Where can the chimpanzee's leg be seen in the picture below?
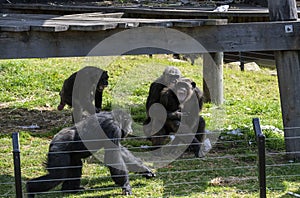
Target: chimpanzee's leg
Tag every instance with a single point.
(134, 164)
(56, 175)
(200, 134)
(98, 101)
(197, 143)
(119, 173)
(74, 171)
(159, 139)
(42, 184)
(196, 146)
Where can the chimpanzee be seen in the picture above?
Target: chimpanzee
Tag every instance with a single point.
(169, 76)
(66, 93)
(180, 101)
(69, 146)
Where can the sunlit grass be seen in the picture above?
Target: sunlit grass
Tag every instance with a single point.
(229, 170)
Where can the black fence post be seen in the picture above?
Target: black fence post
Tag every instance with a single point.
(260, 138)
(17, 164)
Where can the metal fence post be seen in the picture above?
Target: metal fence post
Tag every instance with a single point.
(260, 138)
(17, 164)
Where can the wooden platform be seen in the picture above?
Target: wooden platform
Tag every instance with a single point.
(90, 22)
(56, 22)
(47, 35)
(244, 13)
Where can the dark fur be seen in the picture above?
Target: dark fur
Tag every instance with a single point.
(66, 93)
(67, 149)
(182, 112)
(168, 77)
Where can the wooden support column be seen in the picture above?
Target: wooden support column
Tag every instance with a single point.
(288, 69)
(213, 77)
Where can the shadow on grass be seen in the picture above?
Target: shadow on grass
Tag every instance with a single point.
(7, 184)
(98, 187)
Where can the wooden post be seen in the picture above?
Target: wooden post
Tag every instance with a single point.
(288, 69)
(213, 77)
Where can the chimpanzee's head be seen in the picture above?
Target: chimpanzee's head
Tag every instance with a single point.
(183, 89)
(124, 120)
(103, 81)
(171, 74)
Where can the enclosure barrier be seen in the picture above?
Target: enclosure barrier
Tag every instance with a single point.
(204, 171)
(17, 164)
(260, 138)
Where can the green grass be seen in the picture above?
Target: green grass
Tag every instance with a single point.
(29, 95)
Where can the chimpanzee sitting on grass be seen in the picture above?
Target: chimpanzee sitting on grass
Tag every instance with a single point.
(168, 77)
(183, 102)
(70, 145)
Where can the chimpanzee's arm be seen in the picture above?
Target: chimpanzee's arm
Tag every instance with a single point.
(154, 94)
(134, 164)
(118, 170)
(169, 100)
(200, 97)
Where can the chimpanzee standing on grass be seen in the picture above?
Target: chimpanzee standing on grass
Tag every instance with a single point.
(66, 93)
(72, 144)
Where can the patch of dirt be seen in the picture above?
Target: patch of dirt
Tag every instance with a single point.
(37, 120)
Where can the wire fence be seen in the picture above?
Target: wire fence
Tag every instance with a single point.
(184, 176)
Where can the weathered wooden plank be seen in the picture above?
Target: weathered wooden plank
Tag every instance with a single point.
(109, 19)
(92, 26)
(165, 22)
(222, 38)
(288, 70)
(49, 28)
(10, 16)
(82, 17)
(33, 25)
(249, 37)
(156, 24)
(91, 16)
(78, 25)
(283, 10)
(126, 25)
(57, 25)
(14, 28)
(188, 23)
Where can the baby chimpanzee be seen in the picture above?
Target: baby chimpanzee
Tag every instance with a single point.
(72, 144)
(66, 93)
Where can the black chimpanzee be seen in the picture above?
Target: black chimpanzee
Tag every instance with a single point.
(169, 76)
(70, 145)
(183, 102)
(66, 93)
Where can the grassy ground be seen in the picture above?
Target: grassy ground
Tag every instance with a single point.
(29, 96)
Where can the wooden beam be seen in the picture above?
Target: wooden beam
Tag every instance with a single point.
(213, 77)
(219, 38)
(288, 69)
